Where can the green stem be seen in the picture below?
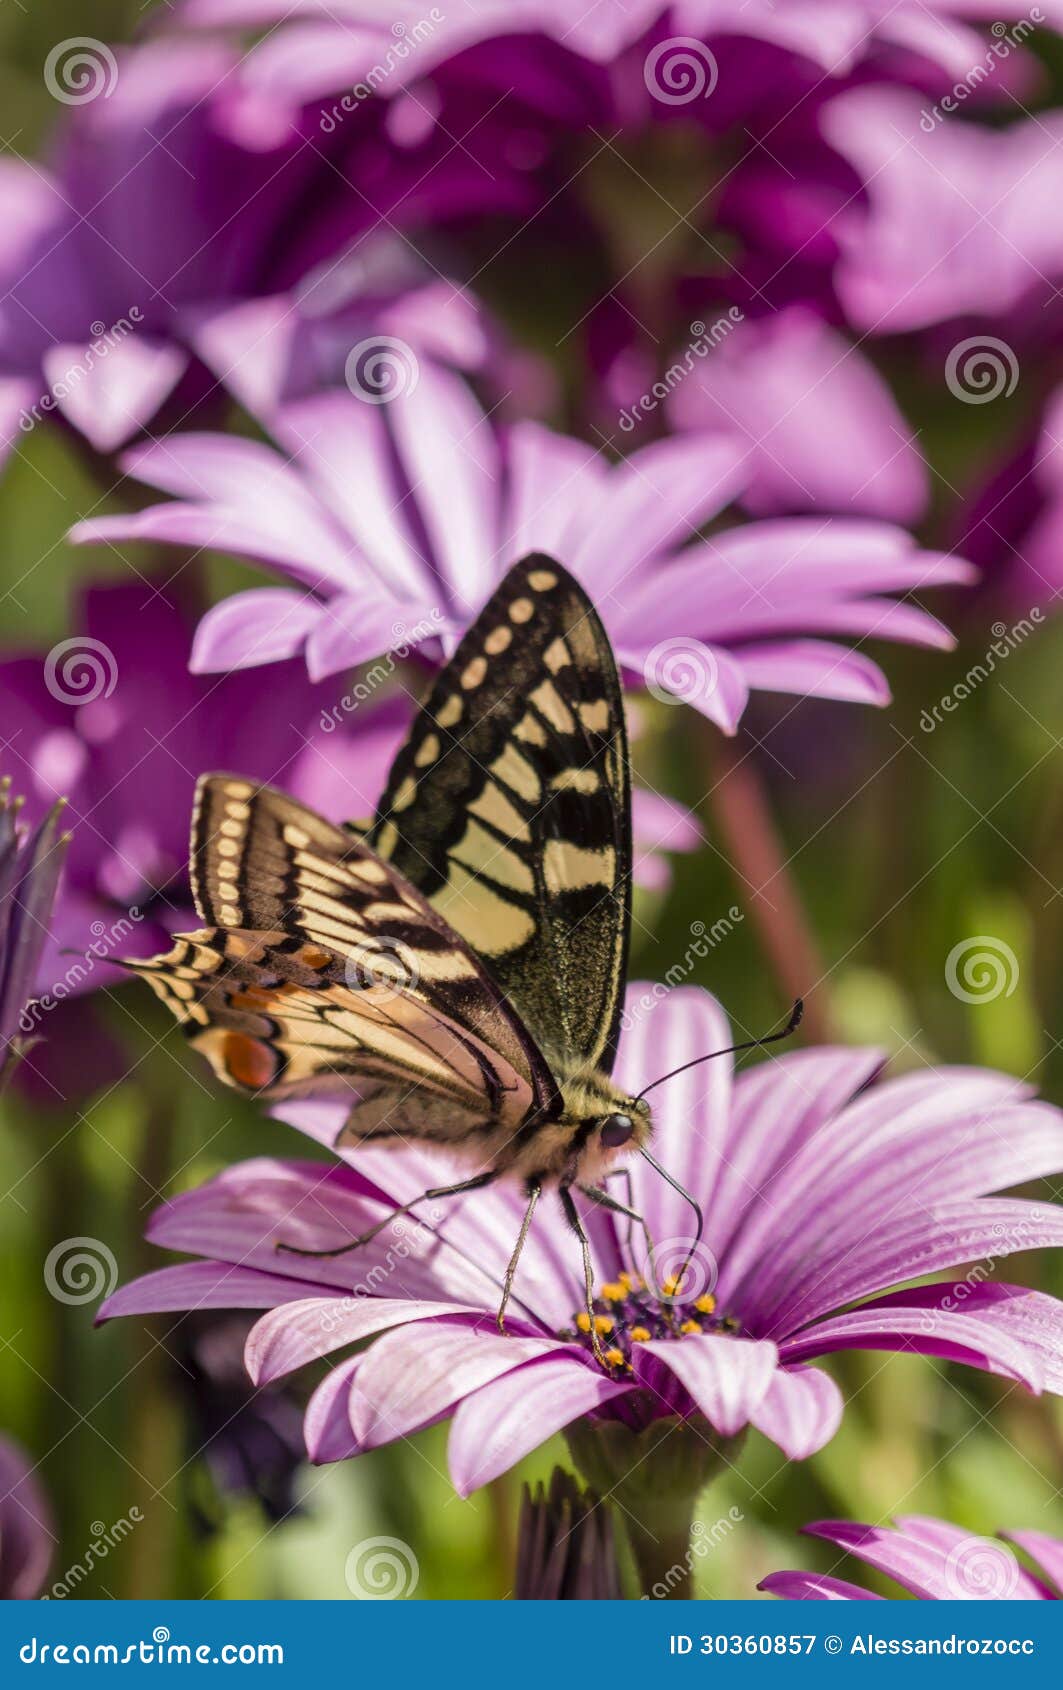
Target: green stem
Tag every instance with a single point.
(655, 1478)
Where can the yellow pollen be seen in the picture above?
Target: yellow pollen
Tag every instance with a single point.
(640, 1334)
(615, 1357)
(583, 1321)
(603, 1323)
(624, 1279)
(614, 1292)
(689, 1326)
(672, 1284)
(706, 1304)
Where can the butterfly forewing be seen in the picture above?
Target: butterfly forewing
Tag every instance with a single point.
(509, 808)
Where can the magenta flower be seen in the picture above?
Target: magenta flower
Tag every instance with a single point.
(817, 1201)
(27, 1534)
(160, 240)
(932, 1559)
(323, 46)
(396, 521)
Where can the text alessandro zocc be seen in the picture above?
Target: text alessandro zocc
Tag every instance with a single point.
(863, 1643)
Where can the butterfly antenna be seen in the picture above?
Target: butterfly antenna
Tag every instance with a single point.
(748, 1044)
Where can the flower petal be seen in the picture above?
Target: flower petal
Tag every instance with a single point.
(728, 1378)
(414, 1376)
(814, 1587)
(27, 1533)
(661, 1032)
(303, 1331)
(1046, 1551)
(926, 1331)
(110, 397)
(778, 1107)
(498, 1425)
(800, 1412)
(201, 1285)
(928, 1569)
(263, 625)
(913, 1246)
(327, 1425)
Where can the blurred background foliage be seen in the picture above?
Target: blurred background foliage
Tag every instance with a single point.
(901, 842)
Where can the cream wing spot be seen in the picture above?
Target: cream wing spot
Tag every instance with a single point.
(427, 751)
(497, 641)
(521, 610)
(542, 580)
(473, 673)
(450, 712)
(549, 703)
(517, 773)
(576, 780)
(595, 716)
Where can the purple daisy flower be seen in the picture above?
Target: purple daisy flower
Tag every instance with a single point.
(326, 45)
(27, 1533)
(160, 243)
(818, 1196)
(397, 520)
(933, 1559)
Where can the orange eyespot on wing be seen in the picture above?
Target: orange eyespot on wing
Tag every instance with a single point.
(249, 1063)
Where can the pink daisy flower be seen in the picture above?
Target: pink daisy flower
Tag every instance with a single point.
(819, 1197)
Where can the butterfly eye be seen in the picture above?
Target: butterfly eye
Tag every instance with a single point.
(616, 1130)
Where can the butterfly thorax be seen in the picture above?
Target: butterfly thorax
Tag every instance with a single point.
(598, 1123)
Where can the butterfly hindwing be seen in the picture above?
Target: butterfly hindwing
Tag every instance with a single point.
(276, 1017)
(263, 862)
(509, 808)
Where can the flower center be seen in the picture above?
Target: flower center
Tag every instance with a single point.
(628, 1312)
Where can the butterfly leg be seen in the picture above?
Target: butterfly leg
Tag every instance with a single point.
(605, 1201)
(572, 1216)
(474, 1184)
(533, 1197)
